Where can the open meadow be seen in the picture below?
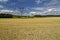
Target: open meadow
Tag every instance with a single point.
(30, 28)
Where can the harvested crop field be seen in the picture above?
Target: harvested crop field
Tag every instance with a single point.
(30, 29)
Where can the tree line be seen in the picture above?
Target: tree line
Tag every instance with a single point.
(17, 16)
(12, 16)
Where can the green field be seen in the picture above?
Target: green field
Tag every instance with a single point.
(30, 28)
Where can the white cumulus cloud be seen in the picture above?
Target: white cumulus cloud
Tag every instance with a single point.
(6, 11)
(14, 12)
(52, 3)
(50, 10)
(45, 11)
(37, 1)
(37, 8)
(3, 0)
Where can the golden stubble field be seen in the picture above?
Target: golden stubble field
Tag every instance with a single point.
(30, 29)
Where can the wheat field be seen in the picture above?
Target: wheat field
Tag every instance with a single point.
(30, 28)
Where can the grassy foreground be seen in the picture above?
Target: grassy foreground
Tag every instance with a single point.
(30, 29)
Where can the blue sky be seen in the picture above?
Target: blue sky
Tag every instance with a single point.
(30, 6)
(24, 3)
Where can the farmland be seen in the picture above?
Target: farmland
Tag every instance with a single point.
(30, 28)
